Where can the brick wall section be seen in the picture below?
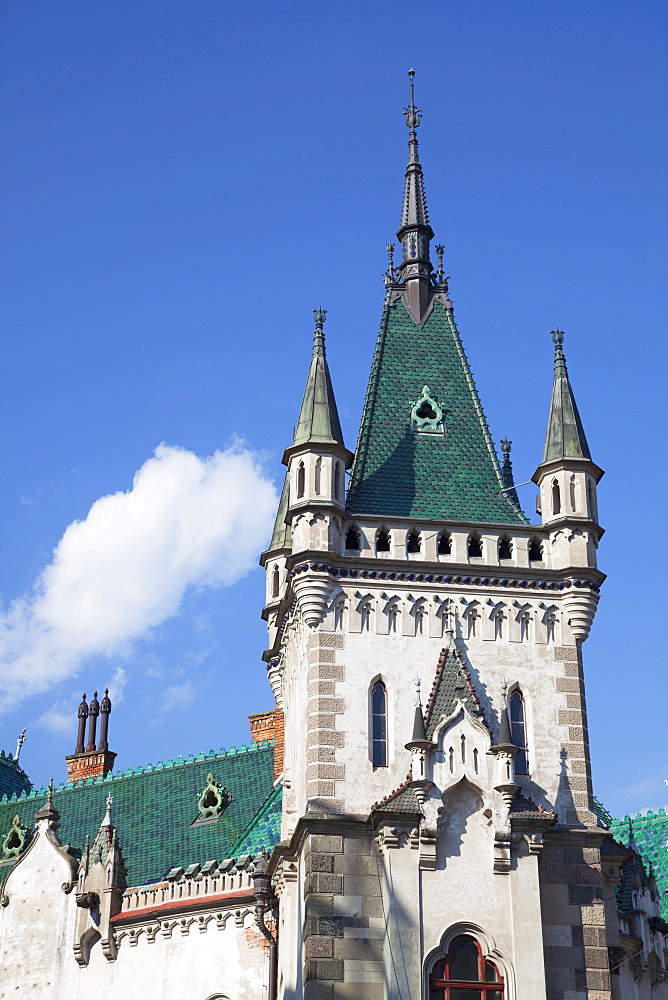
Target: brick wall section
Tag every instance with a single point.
(323, 772)
(574, 932)
(94, 764)
(343, 926)
(575, 803)
(270, 726)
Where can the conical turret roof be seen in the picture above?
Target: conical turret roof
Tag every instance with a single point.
(565, 436)
(318, 417)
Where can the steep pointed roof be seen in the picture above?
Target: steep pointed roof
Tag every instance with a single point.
(318, 417)
(565, 436)
(281, 536)
(451, 473)
(452, 683)
(444, 466)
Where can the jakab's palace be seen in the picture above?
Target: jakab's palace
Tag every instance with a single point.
(377, 839)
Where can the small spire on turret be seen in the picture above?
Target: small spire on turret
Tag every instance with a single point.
(48, 810)
(107, 821)
(19, 743)
(565, 436)
(507, 471)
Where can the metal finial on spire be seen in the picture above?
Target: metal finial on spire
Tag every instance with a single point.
(559, 356)
(19, 743)
(320, 315)
(506, 445)
(504, 688)
(412, 113)
(107, 821)
(418, 697)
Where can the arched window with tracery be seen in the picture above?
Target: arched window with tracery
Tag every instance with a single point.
(465, 974)
(518, 731)
(379, 725)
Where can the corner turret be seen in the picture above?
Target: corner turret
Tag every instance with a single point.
(567, 477)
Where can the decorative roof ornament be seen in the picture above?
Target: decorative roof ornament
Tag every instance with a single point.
(19, 743)
(48, 810)
(507, 471)
(427, 414)
(411, 113)
(16, 839)
(320, 315)
(107, 821)
(213, 800)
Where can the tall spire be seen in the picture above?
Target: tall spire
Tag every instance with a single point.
(415, 232)
(318, 417)
(565, 436)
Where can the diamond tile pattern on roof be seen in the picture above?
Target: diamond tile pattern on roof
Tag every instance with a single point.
(153, 811)
(399, 472)
(451, 684)
(13, 779)
(404, 801)
(264, 829)
(650, 833)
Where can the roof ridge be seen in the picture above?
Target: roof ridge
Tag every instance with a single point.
(275, 794)
(131, 772)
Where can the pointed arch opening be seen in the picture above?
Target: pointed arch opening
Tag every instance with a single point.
(379, 724)
(413, 542)
(353, 540)
(338, 480)
(317, 476)
(505, 547)
(556, 497)
(275, 582)
(383, 541)
(444, 547)
(475, 546)
(301, 480)
(518, 730)
(535, 551)
(464, 973)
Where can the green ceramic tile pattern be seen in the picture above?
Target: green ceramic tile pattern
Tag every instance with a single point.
(13, 780)
(452, 684)
(154, 807)
(399, 472)
(404, 801)
(650, 833)
(263, 829)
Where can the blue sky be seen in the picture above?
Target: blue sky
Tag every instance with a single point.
(183, 183)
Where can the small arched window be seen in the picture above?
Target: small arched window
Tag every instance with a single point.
(592, 499)
(475, 547)
(379, 725)
(556, 497)
(337, 481)
(573, 498)
(413, 542)
(465, 974)
(518, 732)
(383, 541)
(353, 539)
(444, 544)
(535, 551)
(317, 476)
(275, 582)
(505, 548)
(301, 480)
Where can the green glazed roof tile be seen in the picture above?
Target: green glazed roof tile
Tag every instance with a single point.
(154, 809)
(13, 779)
(650, 835)
(399, 471)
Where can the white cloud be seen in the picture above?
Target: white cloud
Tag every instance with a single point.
(186, 522)
(176, 696)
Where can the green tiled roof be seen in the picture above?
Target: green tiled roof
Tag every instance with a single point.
(154, 809)
(13, 779)
(650, 833)
(451, 684)
(400, 472)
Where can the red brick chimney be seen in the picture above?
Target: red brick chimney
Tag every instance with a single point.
(91, 761)
(270, 726)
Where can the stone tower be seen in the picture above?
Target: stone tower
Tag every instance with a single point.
(452, 838)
